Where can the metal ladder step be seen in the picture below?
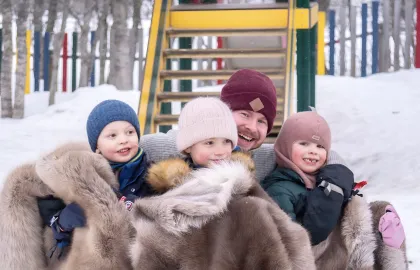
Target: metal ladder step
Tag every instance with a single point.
(187, 96)
(184, 96)
(225, 53)
(176, 32)
(270, 140)
(222, 74)
(230, 6)
(166, 119)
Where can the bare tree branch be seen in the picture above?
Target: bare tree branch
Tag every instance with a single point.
(79, 12)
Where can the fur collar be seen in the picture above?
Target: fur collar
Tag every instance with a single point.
(167, 174)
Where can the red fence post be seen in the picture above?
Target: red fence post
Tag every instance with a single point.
(65, 63)
(220, 60)
(417, 59)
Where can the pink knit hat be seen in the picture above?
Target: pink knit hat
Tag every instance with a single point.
(308, 126)
(205, 118)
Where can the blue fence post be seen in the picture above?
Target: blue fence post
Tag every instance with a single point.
(375, 34)
(364, 35)
(92, 74)
(46, 60)
(331, 24)
(37, 59)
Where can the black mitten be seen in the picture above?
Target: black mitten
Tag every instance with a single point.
(338, 175)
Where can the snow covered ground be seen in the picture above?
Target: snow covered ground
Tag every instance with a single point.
(374, 123)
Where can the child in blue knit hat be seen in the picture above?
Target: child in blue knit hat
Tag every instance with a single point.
(113, 131)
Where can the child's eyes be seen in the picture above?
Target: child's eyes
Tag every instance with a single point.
(303, 143)
(227, 141)
(130, 132)
(113, 135)
(244, 114)
(320, 146)
(209, 143)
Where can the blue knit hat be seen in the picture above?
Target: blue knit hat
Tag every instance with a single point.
(106, 112)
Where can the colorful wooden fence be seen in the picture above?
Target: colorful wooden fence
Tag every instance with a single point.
(69, 51)
(365, 44)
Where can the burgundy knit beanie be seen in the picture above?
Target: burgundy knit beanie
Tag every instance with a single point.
(251, 90)
(308, 126)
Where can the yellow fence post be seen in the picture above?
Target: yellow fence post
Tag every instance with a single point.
(321, 43)
(28, 62)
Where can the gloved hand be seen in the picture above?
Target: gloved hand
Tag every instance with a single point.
(128, 200)
(63, 223)
(338, 175)
(320, 214)
(48, 207)
(391, 228)
(72, 216)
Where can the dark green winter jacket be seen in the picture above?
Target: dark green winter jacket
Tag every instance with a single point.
(287, 189)
(318, 210)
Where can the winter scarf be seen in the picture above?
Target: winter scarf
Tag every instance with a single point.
(129, 172)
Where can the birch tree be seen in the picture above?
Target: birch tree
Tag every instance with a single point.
(90, 62)
(82, 11)
(103, 10)
(57, 45)
(134, 35)
(6, 69)
(323, 5)
(52, 17)
(120, 52)
(22, 11)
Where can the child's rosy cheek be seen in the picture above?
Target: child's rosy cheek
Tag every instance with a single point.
(203, 157)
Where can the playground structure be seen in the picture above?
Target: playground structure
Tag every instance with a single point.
(372, 47)
(253, 34)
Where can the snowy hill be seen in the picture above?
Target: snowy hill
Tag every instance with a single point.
(374, 123)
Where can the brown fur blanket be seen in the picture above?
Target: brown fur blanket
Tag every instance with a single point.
(254, 233)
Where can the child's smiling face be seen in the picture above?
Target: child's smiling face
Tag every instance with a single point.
(118, 141)
(308, 156)
(209, 151)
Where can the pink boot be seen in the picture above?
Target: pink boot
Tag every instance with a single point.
(391, 228)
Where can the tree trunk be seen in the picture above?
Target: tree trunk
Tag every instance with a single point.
(103, 40)
(57, 44)
(37, 22)
(84, 53)
(6, 69)
(19, 104)
(134, 35)
(52, 17)
(323, 5)
(111, 54)
(396, 34)
(120, 62)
